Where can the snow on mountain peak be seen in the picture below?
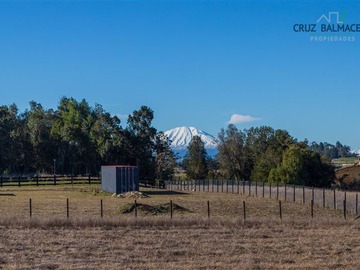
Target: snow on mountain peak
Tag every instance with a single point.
(180, 137)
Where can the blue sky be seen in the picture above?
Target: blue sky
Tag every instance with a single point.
(195, 63)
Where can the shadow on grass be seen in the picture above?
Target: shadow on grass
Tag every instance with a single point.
(7, 194)
(164, 192)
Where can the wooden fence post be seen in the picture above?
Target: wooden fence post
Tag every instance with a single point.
(67, 208)
(19, 181)
(244, 210)
(30, 208)
(208, 208)
(356, 205)
(277, 191)
(101, 209)
(270, 189)
(334, 199)
(135, 208)
(249, 187)
(256, 185)
(243, 187)
(89, 179)
(238, 186)
(37, 180)
(171, 209)
(54, 180)
(324, 198)
(1, 180)
(344, 209)
(280, 210)
(312, 208)
(285, 192)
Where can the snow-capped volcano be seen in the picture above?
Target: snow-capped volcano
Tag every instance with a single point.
(180, 137)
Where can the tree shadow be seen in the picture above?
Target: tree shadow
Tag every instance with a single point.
(7, 194)
(164, 192)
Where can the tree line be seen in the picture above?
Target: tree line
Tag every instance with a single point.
(77, 139)
(263, 154)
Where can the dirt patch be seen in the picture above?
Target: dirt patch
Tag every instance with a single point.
(154, 210)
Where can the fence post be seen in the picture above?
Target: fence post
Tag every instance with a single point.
(19, 181)
(222, 185)
(232, 186)
(30, 208)
(171, 209)
(285, 192)
(280, 210)
(270, 189)
(312, 208)
(67, 208)
(227, 186)
(135, 206)
(37, 180)
(208, 208)
(334, 199)
(1, 180)
(238, 186)
(244, 210)
(249, 187)
(101, 209)
(89, 179)
(277, 191)
(243, 187)
(356, 205)
(323, 197)
(54, 180)
(345, 209)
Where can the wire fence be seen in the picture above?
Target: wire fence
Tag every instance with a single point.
(330, 198)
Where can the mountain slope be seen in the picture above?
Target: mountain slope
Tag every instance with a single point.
(180, 137)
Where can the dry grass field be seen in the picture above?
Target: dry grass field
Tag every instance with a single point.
(188, 241)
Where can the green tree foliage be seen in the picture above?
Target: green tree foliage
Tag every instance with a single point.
(302, 166)
(195, 160)
(39, 122)
(331, 151)
(81, 139)
(72, 129)
(233, 155)
(251, 154)
(141, 137)
(276, 143)
(165, 158)
(15, 148)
